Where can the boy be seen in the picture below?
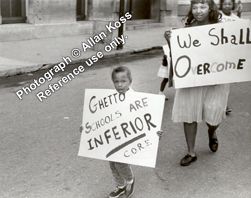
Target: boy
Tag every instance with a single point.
(122, 172)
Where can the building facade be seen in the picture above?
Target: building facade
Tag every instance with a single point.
(35, 19)
(184, 6)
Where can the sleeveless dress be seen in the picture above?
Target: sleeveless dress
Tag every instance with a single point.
(204, 103)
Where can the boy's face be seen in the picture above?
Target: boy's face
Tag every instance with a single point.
(121, 82)
(227, 7)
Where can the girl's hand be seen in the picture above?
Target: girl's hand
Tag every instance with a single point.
(81, 128)
(167, 35)
(159, 133)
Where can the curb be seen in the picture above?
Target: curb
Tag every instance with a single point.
(29, 69)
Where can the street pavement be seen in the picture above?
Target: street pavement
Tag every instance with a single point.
(39, 141)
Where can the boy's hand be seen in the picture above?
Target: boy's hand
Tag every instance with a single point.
(81, 128)
(159, 133)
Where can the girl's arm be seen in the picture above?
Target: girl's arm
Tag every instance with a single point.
(167, 36)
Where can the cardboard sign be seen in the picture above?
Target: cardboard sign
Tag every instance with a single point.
(211, 54)
(121, 127)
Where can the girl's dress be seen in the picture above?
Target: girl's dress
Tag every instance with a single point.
(206, 103)
(196, 104)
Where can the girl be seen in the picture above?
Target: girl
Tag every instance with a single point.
(208, 103)
(226, 9)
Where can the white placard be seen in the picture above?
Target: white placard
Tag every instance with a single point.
(211, 54)
(121, 127)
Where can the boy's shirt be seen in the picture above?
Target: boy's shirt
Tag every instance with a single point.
(130, 89)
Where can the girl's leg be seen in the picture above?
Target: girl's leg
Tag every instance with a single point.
(190, 133)
(163, 84)
(213, 141)
(211, 131)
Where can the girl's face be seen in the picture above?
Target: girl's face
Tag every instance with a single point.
(227, 7)
(201, 12)
(121, 82)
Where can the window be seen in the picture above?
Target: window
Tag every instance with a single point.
(13, 11)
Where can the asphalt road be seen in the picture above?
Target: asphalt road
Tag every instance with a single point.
(39, 141)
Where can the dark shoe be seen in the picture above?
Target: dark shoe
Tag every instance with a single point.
(116, 193)
(228, 110)
(213, 144)
(187, 160)
(129, 189)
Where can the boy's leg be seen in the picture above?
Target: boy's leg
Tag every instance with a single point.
(126, 172)
(120, 182)
(118, 177)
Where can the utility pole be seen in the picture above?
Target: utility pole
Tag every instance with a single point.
(121, 28)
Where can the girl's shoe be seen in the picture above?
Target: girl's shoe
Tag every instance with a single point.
(187, 160)
(116, 193)
(213, 144)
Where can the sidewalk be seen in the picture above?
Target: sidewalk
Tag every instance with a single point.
(31, 55)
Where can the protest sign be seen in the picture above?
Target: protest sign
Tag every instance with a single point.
(121, 127)
(211, 54)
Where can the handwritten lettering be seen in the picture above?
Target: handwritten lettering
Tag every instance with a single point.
(138, 104)
(105, 102)
(196, 43)
(224, 39)
(124, 130)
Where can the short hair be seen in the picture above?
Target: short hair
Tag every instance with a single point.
(222, 1)
(118, 69)
(214, 14)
